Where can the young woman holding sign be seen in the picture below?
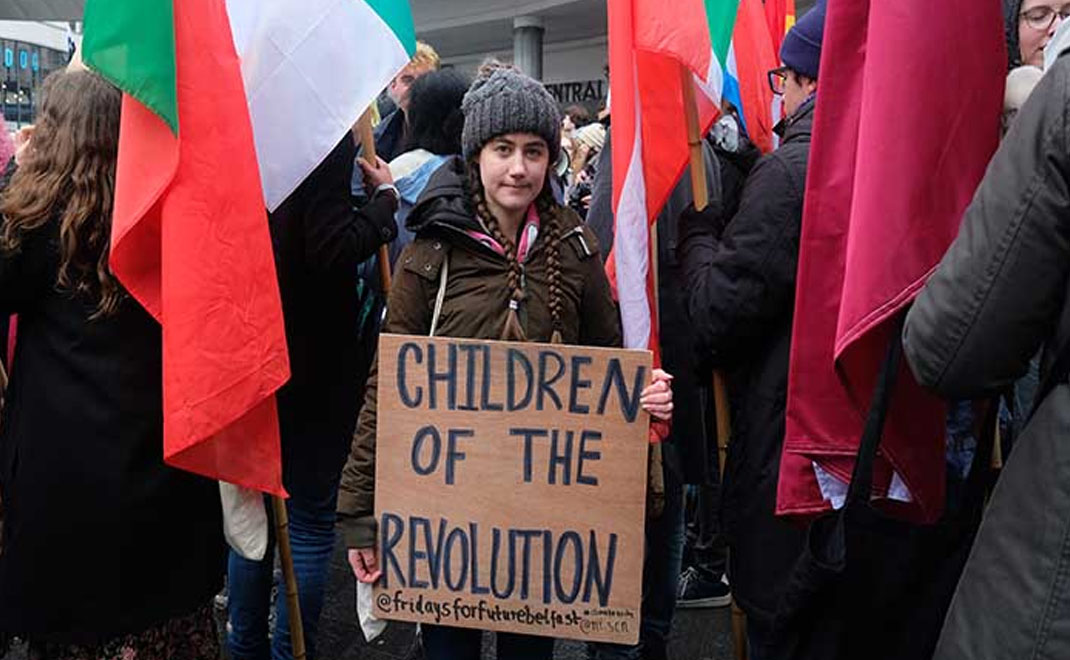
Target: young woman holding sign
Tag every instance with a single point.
(495, 257)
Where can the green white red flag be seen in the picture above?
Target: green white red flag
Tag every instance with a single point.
(310, 69)
(202, 83)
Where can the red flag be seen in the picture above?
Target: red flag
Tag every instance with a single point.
(754, 57)
(647, 48)
(908, 110)
(190, 242)
(780, 15)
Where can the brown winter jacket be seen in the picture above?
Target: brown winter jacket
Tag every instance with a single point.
(475, 306)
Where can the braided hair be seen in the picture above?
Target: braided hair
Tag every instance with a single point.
(550, 214)
(551, 223)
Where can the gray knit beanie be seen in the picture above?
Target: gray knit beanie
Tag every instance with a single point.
(506, 102)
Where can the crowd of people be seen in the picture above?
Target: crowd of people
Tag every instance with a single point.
(495, 206)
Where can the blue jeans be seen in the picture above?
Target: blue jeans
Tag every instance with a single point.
(446, 643)
(312, 522)
(661, 575)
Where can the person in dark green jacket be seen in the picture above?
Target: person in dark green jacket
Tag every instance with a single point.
(999, 295)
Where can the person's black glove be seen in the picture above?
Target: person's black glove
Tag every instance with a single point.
(380, 212)
(700, 232)
(710, 221)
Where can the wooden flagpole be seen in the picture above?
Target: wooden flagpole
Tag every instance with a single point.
(282, 534)
(656, 463)
(282, 521)
(720, 393)
(367, 141)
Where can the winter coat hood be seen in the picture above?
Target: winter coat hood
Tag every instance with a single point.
(414, 170)
(445, 201)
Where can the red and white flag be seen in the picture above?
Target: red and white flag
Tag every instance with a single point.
(726, 46)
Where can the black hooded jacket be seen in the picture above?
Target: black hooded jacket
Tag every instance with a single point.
(319, 241)
(741, 288)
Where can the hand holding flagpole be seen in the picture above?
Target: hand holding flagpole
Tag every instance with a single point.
(367, 141)
(702, 199)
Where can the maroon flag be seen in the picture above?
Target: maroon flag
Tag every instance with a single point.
(908, 115)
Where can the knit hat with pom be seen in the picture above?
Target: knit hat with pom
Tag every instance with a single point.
(506, 102)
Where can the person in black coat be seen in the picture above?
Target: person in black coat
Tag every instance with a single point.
(319, 241)
(703, 582)
(741, 279)
(106, 551)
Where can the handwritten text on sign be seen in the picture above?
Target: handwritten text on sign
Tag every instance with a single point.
(510, 486)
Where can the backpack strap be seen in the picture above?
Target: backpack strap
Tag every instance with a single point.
(861, 487)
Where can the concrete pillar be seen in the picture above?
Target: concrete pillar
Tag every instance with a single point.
(527, 45)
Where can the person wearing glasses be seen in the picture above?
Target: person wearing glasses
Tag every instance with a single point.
(741, 282)
(1031, 24)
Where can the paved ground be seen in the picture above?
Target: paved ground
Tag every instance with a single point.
(697, 634)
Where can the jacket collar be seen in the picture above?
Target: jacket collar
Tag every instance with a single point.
(799, 124)
(445, 205)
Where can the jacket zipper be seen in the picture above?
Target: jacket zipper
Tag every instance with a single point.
(569, 234)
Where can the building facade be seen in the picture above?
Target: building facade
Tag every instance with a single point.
(29, 51)
(562, 42)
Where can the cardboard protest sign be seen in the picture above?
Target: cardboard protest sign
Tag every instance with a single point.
(511, 486)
